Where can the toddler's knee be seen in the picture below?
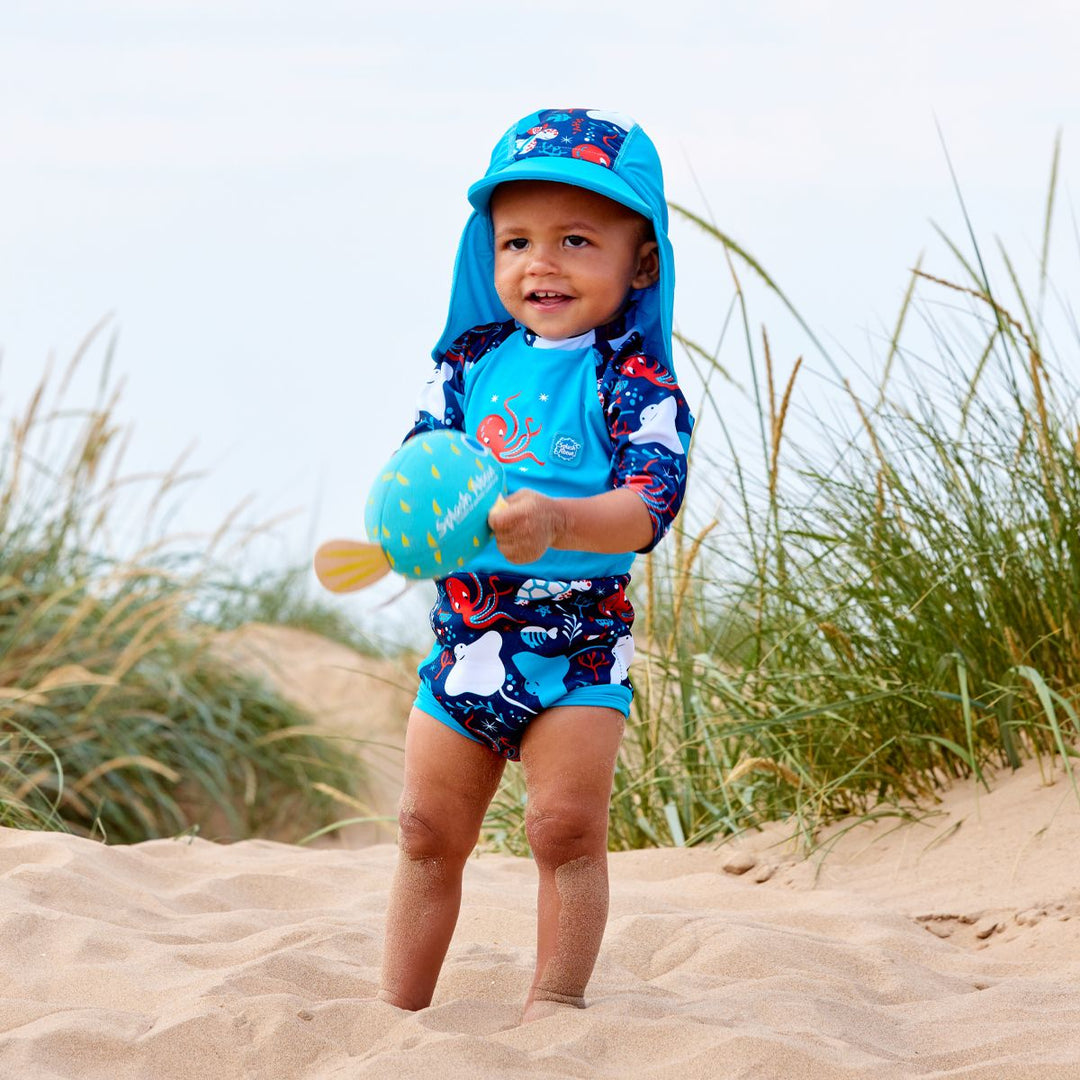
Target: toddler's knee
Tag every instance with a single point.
(423, 835)
(559, 836)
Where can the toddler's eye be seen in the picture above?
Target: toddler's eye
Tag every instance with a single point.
(519, 243)
(576, 241)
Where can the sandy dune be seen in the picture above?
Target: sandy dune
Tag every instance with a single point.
(364, 700)
(947, 948)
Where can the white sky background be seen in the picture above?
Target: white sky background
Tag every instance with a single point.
(267, 196)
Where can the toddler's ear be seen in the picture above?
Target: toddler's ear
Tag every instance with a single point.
(648, 265)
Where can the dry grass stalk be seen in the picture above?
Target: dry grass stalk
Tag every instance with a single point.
(684, 577)
(778, 429)
(761, 764)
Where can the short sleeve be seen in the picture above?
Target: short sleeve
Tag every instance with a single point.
(650, 427)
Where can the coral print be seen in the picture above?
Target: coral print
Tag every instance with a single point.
(508, 442)
(586, 134)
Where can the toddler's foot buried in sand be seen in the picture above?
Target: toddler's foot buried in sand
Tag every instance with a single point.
(548, 1003)
(385, 997)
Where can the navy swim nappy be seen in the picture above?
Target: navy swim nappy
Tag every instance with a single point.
(507, 648)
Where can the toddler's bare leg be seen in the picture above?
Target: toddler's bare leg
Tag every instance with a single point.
(569, 760)
(449, 781)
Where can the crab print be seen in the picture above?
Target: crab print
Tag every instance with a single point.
(616, 605)
(646, 367)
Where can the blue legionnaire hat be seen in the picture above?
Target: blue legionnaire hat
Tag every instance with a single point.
(602, 151)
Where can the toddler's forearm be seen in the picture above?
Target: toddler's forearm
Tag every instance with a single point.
(528, 523)
(613, 522)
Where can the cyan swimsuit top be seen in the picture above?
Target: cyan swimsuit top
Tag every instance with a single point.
(568, 419)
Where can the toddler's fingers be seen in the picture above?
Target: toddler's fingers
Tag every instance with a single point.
(503, 514)
(497, 514)
(523, 525)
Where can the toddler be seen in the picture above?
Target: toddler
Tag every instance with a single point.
(557, 356)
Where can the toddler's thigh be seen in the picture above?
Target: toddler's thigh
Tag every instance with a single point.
(449, 779)
(568, 754)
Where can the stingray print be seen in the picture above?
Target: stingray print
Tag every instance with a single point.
(658, 426)
(609, 663)
(623, 651)
(478, 669)
(508, 444)
(440, 401)
(433, 396)
(543, 675)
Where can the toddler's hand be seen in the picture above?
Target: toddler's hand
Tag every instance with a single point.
(525, 525)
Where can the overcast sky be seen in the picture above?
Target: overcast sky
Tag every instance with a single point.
(266, 197)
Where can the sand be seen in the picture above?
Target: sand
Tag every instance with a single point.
(948, 947)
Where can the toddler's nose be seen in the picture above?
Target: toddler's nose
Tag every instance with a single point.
(543, 260)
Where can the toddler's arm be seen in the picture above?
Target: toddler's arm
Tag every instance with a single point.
(528, 523)
(650, 426)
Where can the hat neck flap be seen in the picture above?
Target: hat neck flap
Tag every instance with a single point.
(602, 151)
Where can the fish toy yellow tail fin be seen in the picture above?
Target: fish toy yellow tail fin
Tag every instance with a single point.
(347, 565)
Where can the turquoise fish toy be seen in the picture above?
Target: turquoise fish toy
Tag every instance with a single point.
(425, 517)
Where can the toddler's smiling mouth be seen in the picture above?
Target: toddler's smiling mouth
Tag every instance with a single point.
(547, 298)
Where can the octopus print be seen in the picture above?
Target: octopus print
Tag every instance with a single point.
(508, 441)
(482, 609)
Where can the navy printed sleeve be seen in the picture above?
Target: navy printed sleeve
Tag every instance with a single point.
(650, 426)
(442, 401)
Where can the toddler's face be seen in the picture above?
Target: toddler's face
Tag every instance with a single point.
(566, 258)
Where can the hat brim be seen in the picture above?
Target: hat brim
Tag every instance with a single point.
(561, 170)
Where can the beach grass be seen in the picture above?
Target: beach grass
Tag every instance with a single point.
(880, 610)
(118, 718)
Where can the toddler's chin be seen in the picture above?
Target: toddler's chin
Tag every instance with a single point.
(556, 332)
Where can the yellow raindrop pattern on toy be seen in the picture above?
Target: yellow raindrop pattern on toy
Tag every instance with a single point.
(427, 513)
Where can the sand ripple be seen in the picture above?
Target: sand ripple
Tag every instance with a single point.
(190, 959)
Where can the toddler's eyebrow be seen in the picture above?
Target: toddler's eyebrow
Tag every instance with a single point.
(566, 226)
